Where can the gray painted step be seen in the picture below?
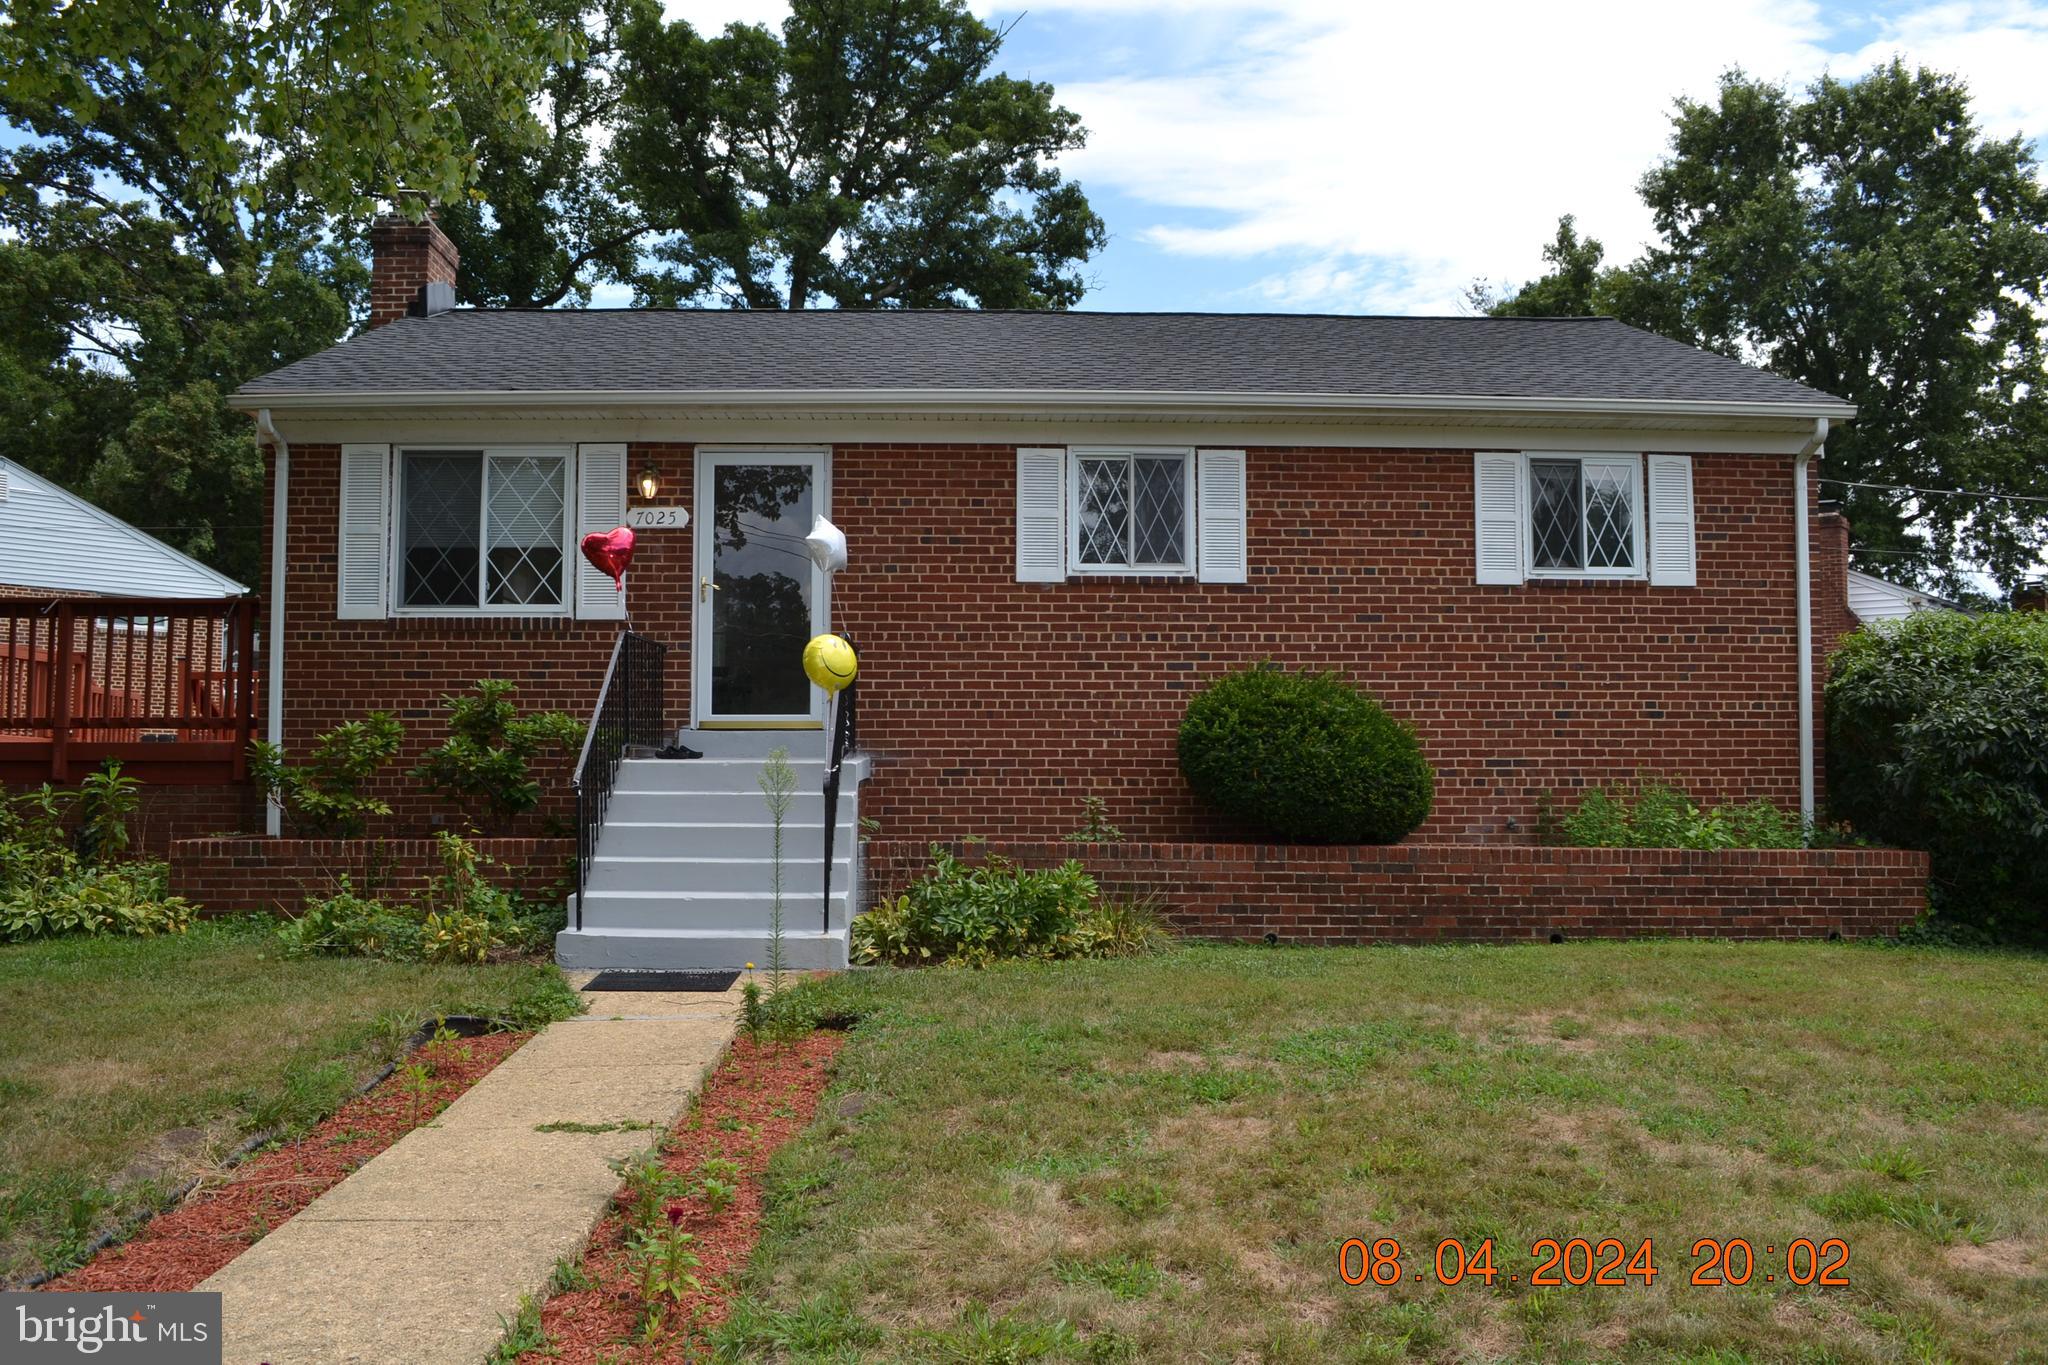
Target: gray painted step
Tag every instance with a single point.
(726, 775)
(694, 807)
(756, 744)
(802, 951)
(687, 910)
(712, 874)
(749, 839)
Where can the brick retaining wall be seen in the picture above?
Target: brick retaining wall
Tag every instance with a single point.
(1479, 893)
(221, 875)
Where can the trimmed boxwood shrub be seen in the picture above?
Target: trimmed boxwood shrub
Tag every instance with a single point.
(1304, 757)
(1938, 739)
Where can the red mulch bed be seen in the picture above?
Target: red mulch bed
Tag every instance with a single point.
(218, 1222)
(761, 1096)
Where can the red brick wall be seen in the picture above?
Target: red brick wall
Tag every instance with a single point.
(1497, 893)
(403, 257)
(1002, 704)
(222, 875)
(170, 813)
(995, 706)
(336, 670)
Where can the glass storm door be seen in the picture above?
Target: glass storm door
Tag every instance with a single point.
(759, 596)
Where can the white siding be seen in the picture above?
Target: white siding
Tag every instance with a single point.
(1873, 599)
(55, 540)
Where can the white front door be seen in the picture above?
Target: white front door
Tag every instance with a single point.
(759, 596)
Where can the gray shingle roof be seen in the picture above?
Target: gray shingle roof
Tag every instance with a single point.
(479, 351)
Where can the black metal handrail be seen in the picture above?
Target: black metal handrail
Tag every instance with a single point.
(629, 711)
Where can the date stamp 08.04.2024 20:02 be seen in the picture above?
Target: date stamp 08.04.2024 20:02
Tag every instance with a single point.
(1609, 1262)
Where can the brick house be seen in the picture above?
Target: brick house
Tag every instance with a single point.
(1566, 550)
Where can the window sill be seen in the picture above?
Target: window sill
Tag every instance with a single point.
(1590, 580)
(477, 622)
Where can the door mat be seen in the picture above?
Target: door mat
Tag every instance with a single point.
(617, 979)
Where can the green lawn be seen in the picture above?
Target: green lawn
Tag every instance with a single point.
(1158, 1160)
(129, 1065)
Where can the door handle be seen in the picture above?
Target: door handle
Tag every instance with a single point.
(705, 587)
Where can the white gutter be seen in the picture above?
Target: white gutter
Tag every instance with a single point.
(273, 703)
(1028, 400)
(1804, 591)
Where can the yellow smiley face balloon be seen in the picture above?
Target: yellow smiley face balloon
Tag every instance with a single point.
(830, 663)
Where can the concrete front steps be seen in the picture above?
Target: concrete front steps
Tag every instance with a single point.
(683, 876)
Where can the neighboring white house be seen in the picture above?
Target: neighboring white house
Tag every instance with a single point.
(1873, 599)
(55, 541)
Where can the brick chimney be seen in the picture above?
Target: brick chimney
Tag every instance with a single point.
(1831, 615)
(412, 269)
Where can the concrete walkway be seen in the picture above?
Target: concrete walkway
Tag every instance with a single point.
(413, 1259)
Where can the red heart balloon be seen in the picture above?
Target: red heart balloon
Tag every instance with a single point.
(611, 551)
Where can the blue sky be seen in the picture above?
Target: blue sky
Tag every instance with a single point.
(1354, 156)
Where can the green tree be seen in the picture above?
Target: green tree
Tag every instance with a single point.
(172, 213)
(547, 218)
(866, 157)
(1863, 237)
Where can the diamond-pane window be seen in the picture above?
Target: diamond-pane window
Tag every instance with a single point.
(1554, 517)
(527, 506)
(443, 496)
(1105, 512)
(1582, 514)
(483, 530)
(1159, 510)
(1610, 518)
(1131, 511)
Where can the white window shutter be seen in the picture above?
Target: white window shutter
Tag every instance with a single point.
(1041, 515)
(363, 560)
(1220, 555)
(1673, 559)
(1498, 516)
(600, 506)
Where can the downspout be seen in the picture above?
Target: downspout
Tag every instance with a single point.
(1804, 576)
(273, 701)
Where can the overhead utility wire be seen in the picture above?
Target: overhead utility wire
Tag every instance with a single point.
(1938, 492)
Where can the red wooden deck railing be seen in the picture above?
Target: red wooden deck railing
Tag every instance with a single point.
(168, 686)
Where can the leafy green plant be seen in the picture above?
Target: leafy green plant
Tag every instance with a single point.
(1938, 739)
(778, 789)
(346, 924)
(486, 762)
(975, 914)
(107, 800)
(717, 1195)
(523, 1335)
(646, 1188)
(1658, 814)
(1304, 757)
(57, 897)
(460, 917)
(1095, 826)
(326, 796)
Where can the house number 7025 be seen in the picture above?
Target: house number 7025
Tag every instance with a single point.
(658, 518)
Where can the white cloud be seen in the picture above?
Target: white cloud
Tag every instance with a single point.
(1404, 150)
(1381, 156)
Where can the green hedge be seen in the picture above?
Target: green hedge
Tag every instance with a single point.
(1938, 739)
(1304, 757)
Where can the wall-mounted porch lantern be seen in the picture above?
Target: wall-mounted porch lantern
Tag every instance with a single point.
(649, 484)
